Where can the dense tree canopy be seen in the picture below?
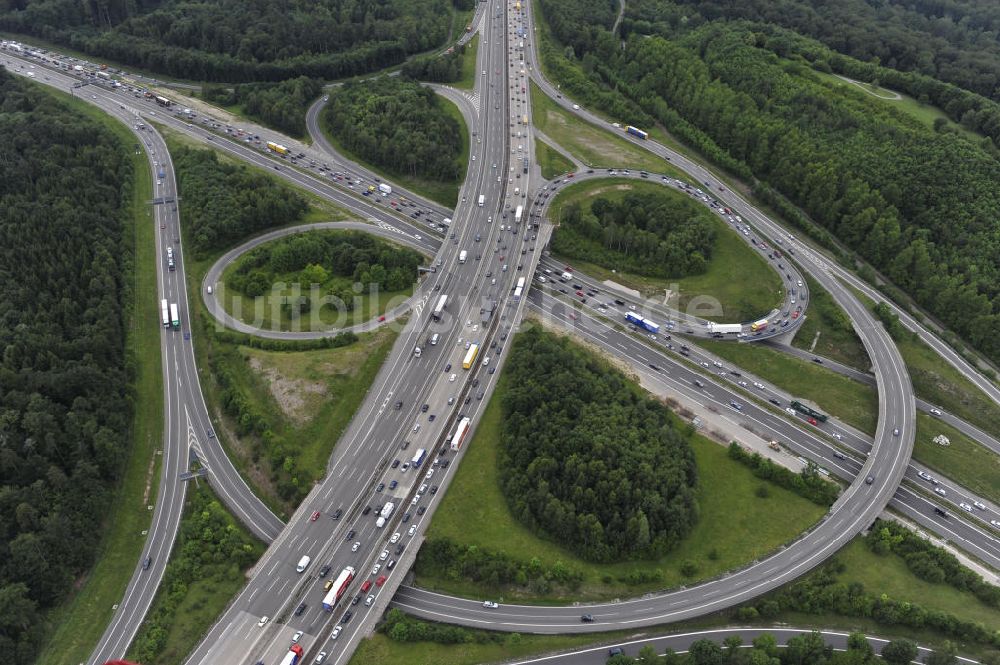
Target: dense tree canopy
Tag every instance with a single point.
(278, 105)
(239, 41)
(226, 202)
(587, 459)
(65, 183)
(918, 204)
(398, 125)
(660, 234)
(437, 68)
(315, 258)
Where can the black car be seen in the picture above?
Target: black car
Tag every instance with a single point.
(774, 402)
(378, 488)
(587, 618)
(356, 599)
(421, 510)
(300, 609)
(367, 509)
(147, 562)
(818, 360)
(445, 463)
(424, 408)
(325, 570)
(941, 512)
(337, 513)
(395, 463)
(406, 517)
(400, 548)
(399, 405)
(350, 535)
(347, 617)
(434, 489)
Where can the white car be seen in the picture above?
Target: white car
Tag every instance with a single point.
(369, 600)
(941, 491)
(489, 604)
(966, 507)
(336, 633)
(384, 555)
(395, 538)
(356, 545)
(377, 567)
(262, 621)
(413, 530)
(995, 523)
(296, 637)
(979, 504)
(321, 657)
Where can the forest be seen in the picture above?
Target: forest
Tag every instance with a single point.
(917, 203)
(236, 41)
(657, 234)
(65, 412)
(278, 105)
(398, 125)
(437, 68)
(226, 202)
(588, 460)
(321, 255)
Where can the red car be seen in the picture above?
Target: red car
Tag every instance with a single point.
(572, 316)
(579, 293)
(367, 585)
(314, 516)
(381, 318)
(812, 421)
(380, 581)
(795, 315)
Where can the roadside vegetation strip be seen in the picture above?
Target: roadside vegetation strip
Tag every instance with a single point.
(736, 524)
(206, 570)
(963, 460)
(402, 130)
(309, 280)
(550, 160)
(829, 327)
(80, 622)
(741, 280)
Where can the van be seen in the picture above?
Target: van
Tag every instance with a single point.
(303, 564)
(434, 339)
(482, 200)
(517, 190)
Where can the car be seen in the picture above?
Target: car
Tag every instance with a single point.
(356, 599)
(377, 567)
(489, 604)
(321, 657)
(431, 418)
(380, 487)
(384, 555)
(941, 512)
(314, 516)
(966, 507)
(406, 517)
(263, 620)
(812, 421)
(935, 412)
(300, 609)
(895, 431)
(380, 581)
(391, 564)
(336, 633)
(327, 585)
(995, 523)
(587, 618)
(447, 367)
(347, 617)
(424, 408)
(338, 513)
(421, 510)
(147, 562)
(870, 479)
(356, 545)
(924, 475)
(369, 600)
(979, 504)
(325, 570)
(297, 636)
(393, 484)
(942, 491)
(412, 530)
(434, 489)
(395, 463)
(367, 585)
(367, 510)
(395, 537)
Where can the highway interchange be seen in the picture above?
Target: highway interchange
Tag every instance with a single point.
(374, 438)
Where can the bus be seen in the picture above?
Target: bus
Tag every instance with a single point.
(459, 436)
(518, 212)
(163, 101)
(165, 313)
(519, 289)
(635, 131)
(642, 322)
(277, 147)
(339, 587)
(175, 318)
(812, 413)
(758, 325)
(439, 308)
(418, 458)
(470, 356)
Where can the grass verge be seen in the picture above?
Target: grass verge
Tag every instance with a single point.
(964, 461)
(550, 160)
(854, 403)
(742, 282)
(595, 147)
(445, 193)
(830, 329)
(468, 80)
(77, 625)
(475, 512)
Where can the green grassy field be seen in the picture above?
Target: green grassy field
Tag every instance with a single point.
(445, 193)
(550, 161)
(77, 624)
(468, 80)
(738, 278)
(266, 311)
(380, 650)
(594, 146)
(475, 512)
(837, 339)
(974, 466)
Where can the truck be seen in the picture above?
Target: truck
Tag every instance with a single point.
(163, 101)
(384, 188)
(812, 413)
(642, 322)
(104, 75)
(462, 256)
(446, 222)
(635, 131)
(725, 328)
(418, 458)
(165, 313)
(460, 432)
(525, 165)
(518, 211)
(385, 514)
(339, 587)
(482, 200)
(175, 317)
(470, 356)
(277, 147)
(519, 289)
(758, 325)
(439, 308)
(293, 657)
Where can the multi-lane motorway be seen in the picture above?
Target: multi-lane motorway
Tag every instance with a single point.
(392, 423)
